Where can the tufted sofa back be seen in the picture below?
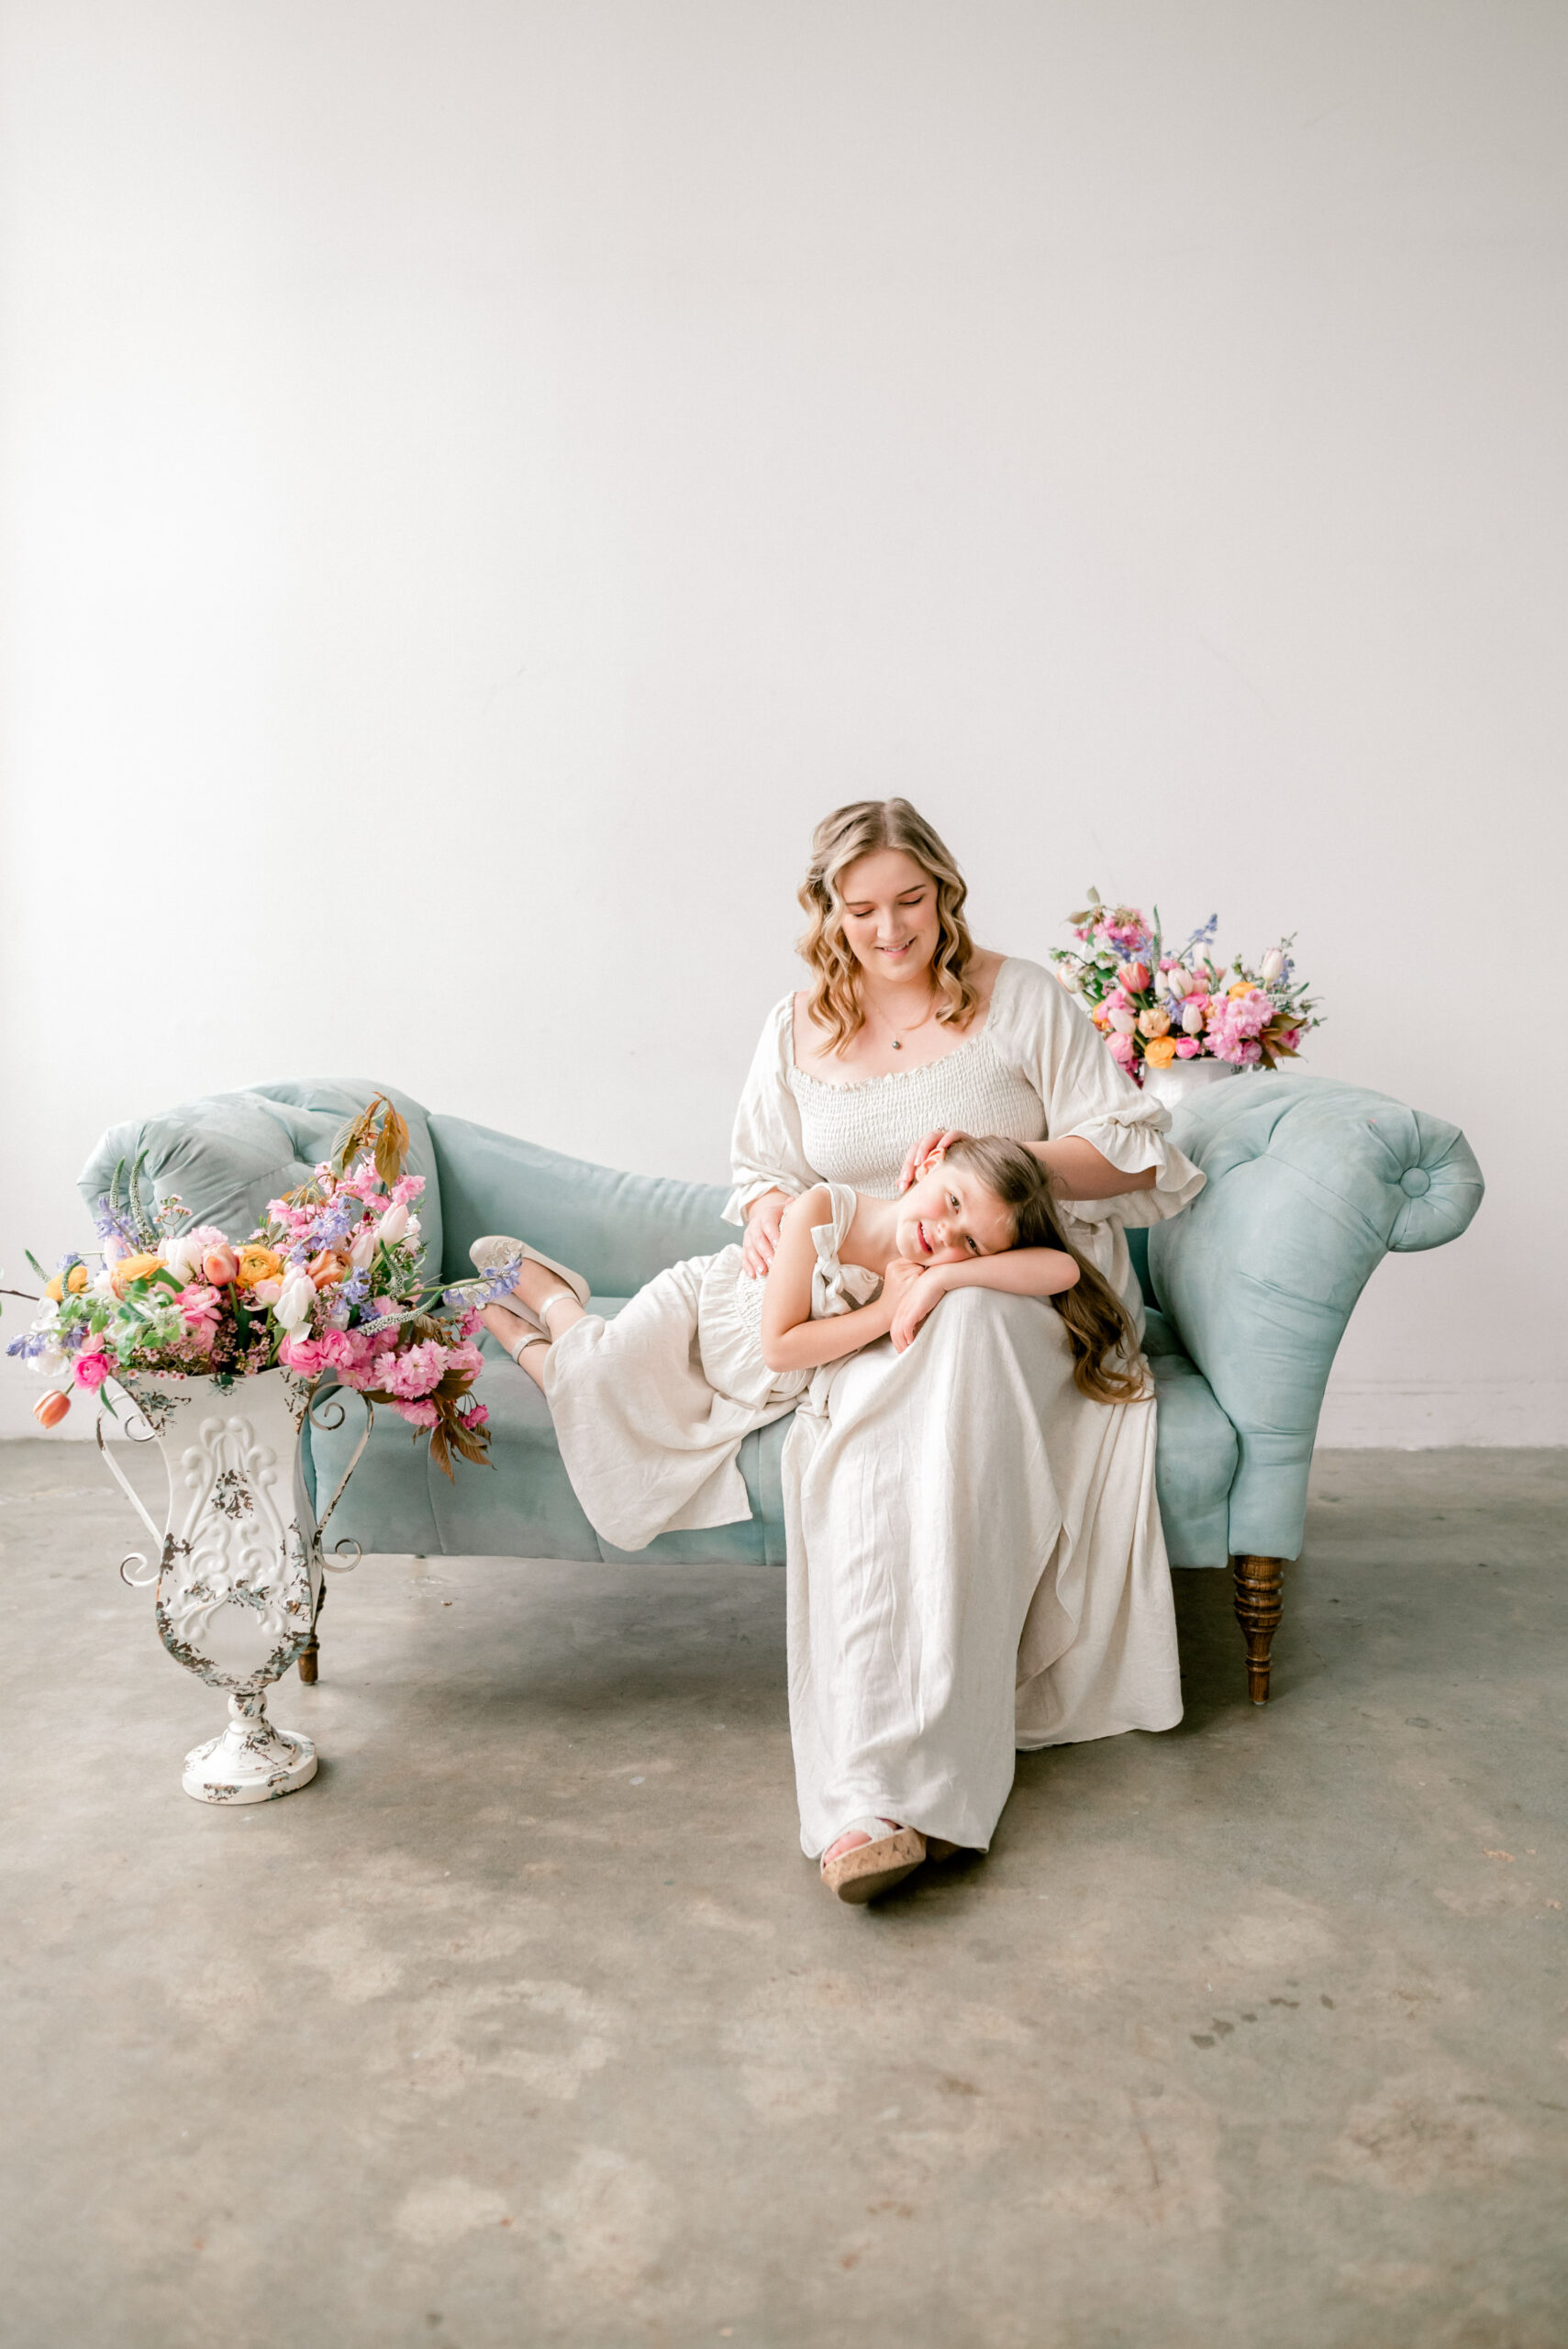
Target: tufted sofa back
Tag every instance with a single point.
(227, 1154)
(1309, 1183)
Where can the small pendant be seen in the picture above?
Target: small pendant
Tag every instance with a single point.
(896, 1045)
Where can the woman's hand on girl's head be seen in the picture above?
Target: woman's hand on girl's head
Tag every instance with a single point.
(762, 1220)
(925, 1152)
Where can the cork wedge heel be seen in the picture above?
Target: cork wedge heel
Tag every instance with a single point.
(871, 1869)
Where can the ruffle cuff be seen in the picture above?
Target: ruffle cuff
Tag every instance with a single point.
(756, 1187)
(1132, 1140)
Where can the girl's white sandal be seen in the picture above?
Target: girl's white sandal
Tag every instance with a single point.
(869, 1869)
(495, 1248)
(531, 1337)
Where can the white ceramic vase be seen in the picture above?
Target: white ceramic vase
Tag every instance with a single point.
(240, 1560)
(1176, 1085)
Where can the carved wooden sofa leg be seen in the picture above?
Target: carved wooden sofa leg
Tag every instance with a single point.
(310, 1659)
(1259, 1605)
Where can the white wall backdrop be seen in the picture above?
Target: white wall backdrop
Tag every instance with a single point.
(482, 478)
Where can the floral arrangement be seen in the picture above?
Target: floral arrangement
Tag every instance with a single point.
(330, 1283)
(1154, 1009)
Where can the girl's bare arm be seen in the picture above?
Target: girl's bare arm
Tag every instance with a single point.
(1022, 1271)
(791, 1339)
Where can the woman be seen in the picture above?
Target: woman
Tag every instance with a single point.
(975, 1555)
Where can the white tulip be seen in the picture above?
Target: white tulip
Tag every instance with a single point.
(1192, 1021)
(1124, 1022)
(297, 1303)
(181, 1255)
(1176, 981)
(394, 1224)
(1273, 965)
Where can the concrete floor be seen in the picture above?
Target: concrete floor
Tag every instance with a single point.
(526, 2024)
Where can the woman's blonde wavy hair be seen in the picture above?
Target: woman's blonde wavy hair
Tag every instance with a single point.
(849, 833)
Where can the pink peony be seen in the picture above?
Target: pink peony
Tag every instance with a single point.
(1188, 1049)
(198, 1308)
(1123, 1050)
(301, 1354)
(93, 1369)
(415, 1373)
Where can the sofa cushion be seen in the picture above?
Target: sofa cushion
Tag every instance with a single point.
(525, 1508)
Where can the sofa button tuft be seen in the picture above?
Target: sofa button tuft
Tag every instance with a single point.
(1415, 1180)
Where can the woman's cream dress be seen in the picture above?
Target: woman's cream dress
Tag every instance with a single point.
(975, 1555)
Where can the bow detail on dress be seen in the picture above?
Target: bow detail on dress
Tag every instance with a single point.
(834, 1287)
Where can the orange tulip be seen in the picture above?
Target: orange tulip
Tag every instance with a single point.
(51, 1408)
(1133, 976)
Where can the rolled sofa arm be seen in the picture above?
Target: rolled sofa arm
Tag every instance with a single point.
(1309, 1183)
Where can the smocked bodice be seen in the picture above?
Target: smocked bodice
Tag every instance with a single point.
(861, 1132)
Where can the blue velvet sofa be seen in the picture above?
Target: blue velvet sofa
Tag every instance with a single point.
(1247, 1293)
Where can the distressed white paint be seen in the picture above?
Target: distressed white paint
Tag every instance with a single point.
(478, 481)
(239, 1565)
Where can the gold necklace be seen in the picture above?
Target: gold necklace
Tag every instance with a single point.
(897, 1039)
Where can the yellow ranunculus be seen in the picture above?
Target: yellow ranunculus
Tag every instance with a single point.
(257, 1263)
(1160, 1052)
(132, 1268)
(1242, 987)
(75, 1281)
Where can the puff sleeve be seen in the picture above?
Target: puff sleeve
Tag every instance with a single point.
(766, 1151)
(1048, 1036)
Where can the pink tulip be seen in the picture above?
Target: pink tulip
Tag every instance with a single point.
(220, 1266)
(1124, 1022)
(1134, 976)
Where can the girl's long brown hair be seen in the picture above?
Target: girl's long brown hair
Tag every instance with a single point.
(860, 829)
(1106, 1360)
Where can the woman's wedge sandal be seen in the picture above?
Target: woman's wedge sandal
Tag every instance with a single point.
(495, 1250)
(873, 1868)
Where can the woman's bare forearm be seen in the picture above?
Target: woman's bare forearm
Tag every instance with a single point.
(1079, 1171)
